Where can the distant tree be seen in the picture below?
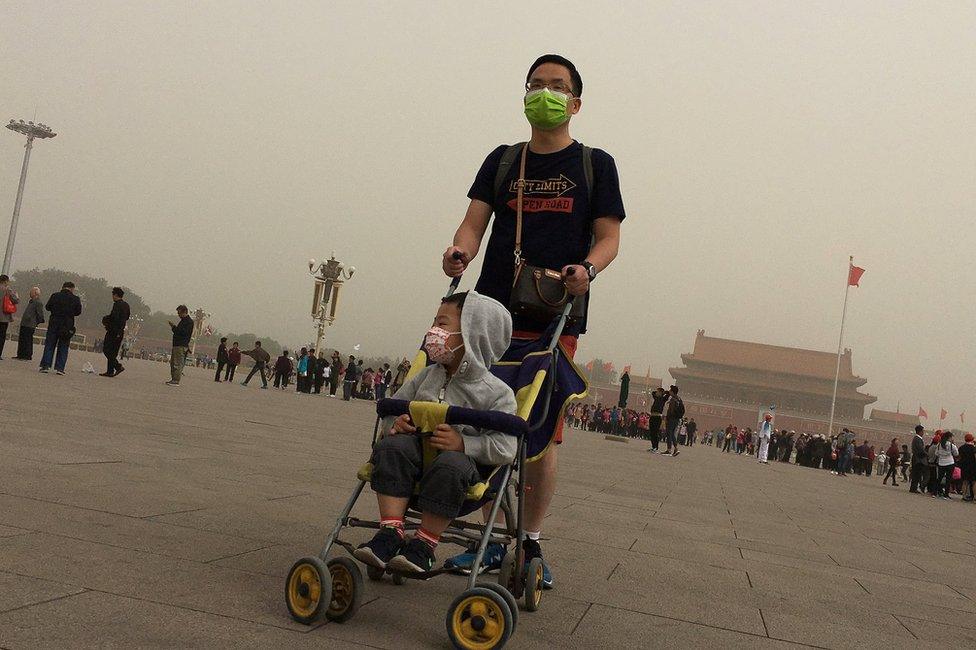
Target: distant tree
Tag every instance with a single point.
(96, 301)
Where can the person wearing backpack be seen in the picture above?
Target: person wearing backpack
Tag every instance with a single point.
(558, 209)
(8, 307)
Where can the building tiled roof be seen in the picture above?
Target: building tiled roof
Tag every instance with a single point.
(825, 391)
(771, 358)
(891, 416)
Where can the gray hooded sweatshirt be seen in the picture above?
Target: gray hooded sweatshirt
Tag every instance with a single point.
(486, 329)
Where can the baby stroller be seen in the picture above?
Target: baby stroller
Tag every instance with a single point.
(485, 614)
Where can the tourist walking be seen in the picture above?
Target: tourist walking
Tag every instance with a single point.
(282, 369)
(946, 453)
(893, 455)
(301, 371)
(114, 324)
(335, 372)
(967, 466)
(64, 306)
(8, 307)
(765, 433)
(233, 360)
(349, 379)
(182, 333)
(918, 460)
(261, 358)
(318, 371)
(32, 317)
(674, 411)
(222, 357)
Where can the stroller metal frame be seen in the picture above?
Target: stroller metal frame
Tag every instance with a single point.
(484, 615)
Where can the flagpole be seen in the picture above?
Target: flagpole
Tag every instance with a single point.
(840, 343)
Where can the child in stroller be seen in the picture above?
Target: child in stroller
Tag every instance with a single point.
(470, 333)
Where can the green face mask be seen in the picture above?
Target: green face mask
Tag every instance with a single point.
(545, 109)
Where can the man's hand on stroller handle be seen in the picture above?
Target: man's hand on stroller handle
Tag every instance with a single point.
(455, 261)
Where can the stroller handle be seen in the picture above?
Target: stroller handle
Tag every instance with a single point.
(507, 423)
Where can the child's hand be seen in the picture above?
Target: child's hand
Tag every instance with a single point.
(446, 438)
(403, 424)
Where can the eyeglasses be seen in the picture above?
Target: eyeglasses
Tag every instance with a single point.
(555, 86)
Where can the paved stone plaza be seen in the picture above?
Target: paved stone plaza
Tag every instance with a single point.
(133, 514)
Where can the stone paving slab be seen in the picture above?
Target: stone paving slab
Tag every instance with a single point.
(133, 514)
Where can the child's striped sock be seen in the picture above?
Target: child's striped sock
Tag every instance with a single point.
(428, 538)
(396, 523)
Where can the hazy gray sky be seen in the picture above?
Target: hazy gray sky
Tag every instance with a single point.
(207, 150)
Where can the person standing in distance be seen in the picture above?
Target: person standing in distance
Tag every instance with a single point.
(572, 210)
(9, 300)
(64, 307)
(222, 357)
(182, 333)
(114, 332)
(32, 317)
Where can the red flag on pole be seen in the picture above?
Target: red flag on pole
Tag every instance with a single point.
(922, 413)
(589, 366)
(854, 277)
(943, 414)
(608, 366)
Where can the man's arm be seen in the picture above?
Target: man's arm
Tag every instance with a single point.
(467, 239)
(606, 243)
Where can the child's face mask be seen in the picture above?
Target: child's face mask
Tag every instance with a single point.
(435, 344)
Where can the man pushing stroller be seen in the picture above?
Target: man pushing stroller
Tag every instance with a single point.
(470, 333)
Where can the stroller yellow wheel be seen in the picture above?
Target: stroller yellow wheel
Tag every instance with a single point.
(533, 584)
(479, 619)
(307, 589)
(347, 589)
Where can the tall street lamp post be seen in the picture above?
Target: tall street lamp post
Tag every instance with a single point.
(32, 131)
(329, 277)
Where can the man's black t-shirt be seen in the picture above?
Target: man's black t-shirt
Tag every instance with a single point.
(557, 215)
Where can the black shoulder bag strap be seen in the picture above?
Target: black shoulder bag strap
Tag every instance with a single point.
(512, 152)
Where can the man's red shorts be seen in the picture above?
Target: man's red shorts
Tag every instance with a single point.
(569, 343)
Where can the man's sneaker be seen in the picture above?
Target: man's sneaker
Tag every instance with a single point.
(60, 372)
(381, 549)
(652, 450)
(172, 383)
(45, 370)
(532, 550)
(492, 560)
(416, 556)
(119, 370)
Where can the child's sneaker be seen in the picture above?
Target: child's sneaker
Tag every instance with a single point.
(416, 556)
(381, 549)
(492, 560)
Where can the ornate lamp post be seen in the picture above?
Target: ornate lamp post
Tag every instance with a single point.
(329, 277)
(32, 131)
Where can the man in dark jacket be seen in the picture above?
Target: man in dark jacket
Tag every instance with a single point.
(317, 371)
(349, 383)
(918, 458)
(32, 317)
(114, 332)
(64, 307)
(182, 333)
(222, 357)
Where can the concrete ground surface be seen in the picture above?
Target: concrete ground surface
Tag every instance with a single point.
(133, 514)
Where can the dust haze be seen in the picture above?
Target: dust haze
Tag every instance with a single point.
(206, 152)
